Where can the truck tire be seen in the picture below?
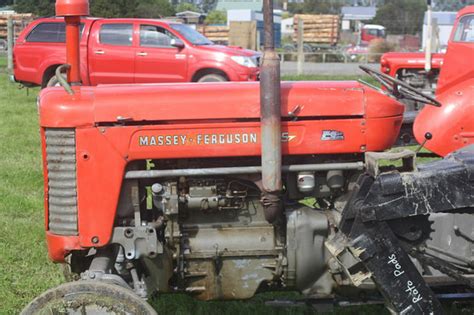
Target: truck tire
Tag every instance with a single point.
(3, 44)
(53, 82)
(88, 297)
(289, 48)
(213, 78)
(307, 48)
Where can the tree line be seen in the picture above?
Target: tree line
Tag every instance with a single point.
(115, 8)
(398, 16)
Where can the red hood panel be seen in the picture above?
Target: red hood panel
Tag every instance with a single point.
(223, 101)
(411, 59)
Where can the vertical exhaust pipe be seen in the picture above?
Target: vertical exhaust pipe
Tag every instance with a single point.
(270, 115)
(429, 37)
(72, 10)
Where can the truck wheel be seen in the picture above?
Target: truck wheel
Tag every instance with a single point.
(289, 48)
(213, 78)
(3, 44)
(53, 82)
(88, 297)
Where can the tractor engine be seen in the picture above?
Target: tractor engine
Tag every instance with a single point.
(420, 80)
(208, 236)
(223, 247)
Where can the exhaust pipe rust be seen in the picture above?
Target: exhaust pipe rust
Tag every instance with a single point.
(270, 112)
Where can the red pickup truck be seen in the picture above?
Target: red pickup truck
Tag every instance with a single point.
(130, 51)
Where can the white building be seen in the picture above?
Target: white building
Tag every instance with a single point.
(443, 22)
(353, 17)
(225, 5)
(287, 27)
(247, 15)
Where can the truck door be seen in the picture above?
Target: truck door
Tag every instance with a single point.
(156, 59)
(111, 55)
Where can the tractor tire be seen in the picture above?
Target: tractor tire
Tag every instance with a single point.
(212, 78)
(88, 297)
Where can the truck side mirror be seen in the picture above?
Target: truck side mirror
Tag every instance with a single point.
(178, 43)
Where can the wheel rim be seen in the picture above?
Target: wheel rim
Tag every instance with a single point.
(85, 303)
(88, 297)
(210, 79)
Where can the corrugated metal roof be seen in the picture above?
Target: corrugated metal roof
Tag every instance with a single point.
(443, 18)
(358, 13)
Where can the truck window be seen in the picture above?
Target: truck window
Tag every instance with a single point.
(155, 36)
(116, 34)
(191, 35)
(50, 32)
(465, 30)
(372, 32)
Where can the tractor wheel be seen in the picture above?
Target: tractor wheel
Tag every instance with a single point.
(88, 297)
(213, 78)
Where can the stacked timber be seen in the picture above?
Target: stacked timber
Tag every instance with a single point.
(20, 21)
(318, 28)
(216, 33)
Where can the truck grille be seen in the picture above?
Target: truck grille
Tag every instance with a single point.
(62, 189)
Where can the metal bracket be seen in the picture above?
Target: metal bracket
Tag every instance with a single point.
(347, 257)
(62, 80)
(137, 242)
(373, 161)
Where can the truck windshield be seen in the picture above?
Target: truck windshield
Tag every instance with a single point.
(191, 35)
(465, 30)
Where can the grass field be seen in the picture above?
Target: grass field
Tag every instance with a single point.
(25, 270)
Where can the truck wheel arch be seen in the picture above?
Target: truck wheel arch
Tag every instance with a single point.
(206, 71)
(48, 74)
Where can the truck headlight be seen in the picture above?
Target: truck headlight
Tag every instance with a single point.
(244, 61)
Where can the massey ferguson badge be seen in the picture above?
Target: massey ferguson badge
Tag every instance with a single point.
(198, 139)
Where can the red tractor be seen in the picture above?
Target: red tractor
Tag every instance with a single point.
(419, 69)
(411, 69)
(195, 188)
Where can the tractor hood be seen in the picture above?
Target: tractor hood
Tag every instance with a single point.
(166, 103)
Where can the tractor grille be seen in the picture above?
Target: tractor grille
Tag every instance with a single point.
(62, 190)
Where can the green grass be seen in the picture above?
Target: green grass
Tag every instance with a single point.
(25, 270)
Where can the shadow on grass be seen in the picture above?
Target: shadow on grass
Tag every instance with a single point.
(181, 304)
